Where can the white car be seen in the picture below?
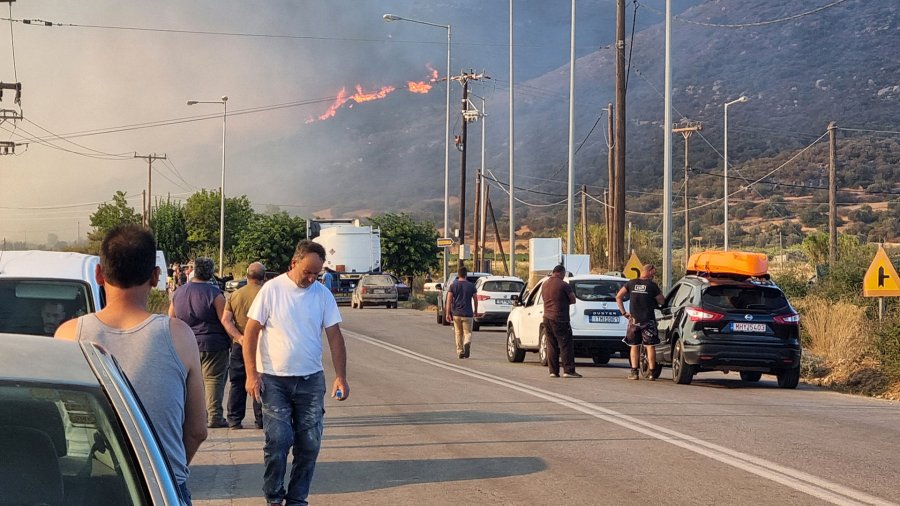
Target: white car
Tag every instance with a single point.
(444, 287)
(597, 325)
(495, 296)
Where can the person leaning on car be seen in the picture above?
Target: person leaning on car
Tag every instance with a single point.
(558, 296)
(645, 297)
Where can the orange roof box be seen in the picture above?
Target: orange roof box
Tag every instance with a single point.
(729, 262)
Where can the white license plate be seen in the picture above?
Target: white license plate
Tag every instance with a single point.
(378, 290)
(603, 319)
(503, 302)
(748, 327)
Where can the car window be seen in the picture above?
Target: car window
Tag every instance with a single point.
(532, 296)
(78, 430)
(38, 307)
(510, 286)
(744, 297)
(682, 296)
(596, 289)
(380, 279)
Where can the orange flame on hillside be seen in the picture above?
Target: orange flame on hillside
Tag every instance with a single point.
(422, 86)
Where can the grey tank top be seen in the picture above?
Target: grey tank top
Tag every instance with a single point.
(147, 356)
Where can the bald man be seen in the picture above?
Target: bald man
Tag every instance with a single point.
(235, 316)
(644, 296)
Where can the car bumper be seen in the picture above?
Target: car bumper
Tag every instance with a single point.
(745, 356)
(378, 299)
(492, 318)
(589, 344)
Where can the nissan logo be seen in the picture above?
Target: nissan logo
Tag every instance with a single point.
(748, 317)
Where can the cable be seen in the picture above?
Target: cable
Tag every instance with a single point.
(869, 131)
(122, 155)
(12, 42)
(748, 25)
(631, 46)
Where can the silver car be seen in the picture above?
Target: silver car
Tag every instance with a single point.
(374, 290)
(72, 430)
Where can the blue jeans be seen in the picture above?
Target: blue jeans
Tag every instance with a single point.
(185, 494)
(293, 414)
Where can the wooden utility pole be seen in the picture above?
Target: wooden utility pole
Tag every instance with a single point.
(608, 199)
(608, 214)
(584, 226)
(477, 222)
(686, 128)
(497, 234)
(618, 257)
(467, 116)
(832, 194)
(145, 220)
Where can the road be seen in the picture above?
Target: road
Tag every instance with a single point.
(424, 427)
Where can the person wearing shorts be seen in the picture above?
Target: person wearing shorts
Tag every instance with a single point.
(644, 296)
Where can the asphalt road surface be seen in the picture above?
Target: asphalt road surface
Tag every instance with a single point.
(424, 427)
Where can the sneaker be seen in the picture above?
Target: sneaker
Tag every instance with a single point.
(259, 425)
(236, 426)
(650, 378)
(554, 375)
(633, 375)
(462, 355)
(221, 424)
(466, 349)
(572, 374)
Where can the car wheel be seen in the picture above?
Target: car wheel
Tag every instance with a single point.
(751, 376)
(513, 352)
(601, 358)
(440, 317)
(542, 352)
(788, 378)
(476, 326)
(682, 373)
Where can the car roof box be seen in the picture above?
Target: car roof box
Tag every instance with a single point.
(740, 263)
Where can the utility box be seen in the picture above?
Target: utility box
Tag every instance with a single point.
(577, 264)
(544, 253)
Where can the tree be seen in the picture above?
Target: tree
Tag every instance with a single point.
(408, 248)
(202, 215)
(168, 225)
(109, 215)
(270, 239)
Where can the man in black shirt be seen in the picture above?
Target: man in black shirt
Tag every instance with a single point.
(645, 296)
(558, 296)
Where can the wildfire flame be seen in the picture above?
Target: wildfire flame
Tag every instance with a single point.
(362, 96)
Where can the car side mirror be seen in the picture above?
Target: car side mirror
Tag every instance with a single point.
(439, 287)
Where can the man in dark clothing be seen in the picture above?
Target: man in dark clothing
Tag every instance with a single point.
(558, 296)
(645, 296)
(235, 320)
(462, 305)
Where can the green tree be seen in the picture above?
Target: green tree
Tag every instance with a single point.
(168, 225)
(108, 215)
(202, 214)
(270, 239)
(408, 248)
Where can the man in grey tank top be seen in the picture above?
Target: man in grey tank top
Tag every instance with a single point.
(158, 354)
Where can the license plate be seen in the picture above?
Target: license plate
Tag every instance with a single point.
(602, 319)
(503, 302)
(377, 290)
(748, 327)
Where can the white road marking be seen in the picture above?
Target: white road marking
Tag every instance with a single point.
(792, 478)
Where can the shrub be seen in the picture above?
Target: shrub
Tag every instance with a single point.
(159, 302)
(837, 332)
(793, 282)
(888, 345)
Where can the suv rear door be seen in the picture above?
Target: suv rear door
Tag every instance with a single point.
(747, 312)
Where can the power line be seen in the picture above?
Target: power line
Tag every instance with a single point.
(749, 25)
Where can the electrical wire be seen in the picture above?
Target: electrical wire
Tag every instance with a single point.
(755, 24)
(12, 42)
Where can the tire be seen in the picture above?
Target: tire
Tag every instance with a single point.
(601, 358)
(513, 352)
(682, 373)
(788, 378)
(476, 327)
(751, 376)
(644, 365)
(542, 348)
(440, 317)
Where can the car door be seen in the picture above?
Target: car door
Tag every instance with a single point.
(668, 317)
(532, 314)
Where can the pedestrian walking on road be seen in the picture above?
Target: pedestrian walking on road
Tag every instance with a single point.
(283, 357)
(235, 320)
(644, 297)
(558, 296)
(201, 305)
(157, 353)
(460, 308)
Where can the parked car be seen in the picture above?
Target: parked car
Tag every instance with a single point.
(41, 289)
(72, 430)
(236, 284)
(597, 325)
(374, 289)
(713, 322)
(445, 287)
(495, 295)
(403, 290)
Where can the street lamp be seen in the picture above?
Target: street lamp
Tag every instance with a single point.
(735, 101)
(389, 18)
(224, 102)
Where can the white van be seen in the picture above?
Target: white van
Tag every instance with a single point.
(162, 284)
(41, 289)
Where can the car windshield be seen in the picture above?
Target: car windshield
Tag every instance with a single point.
(379, 280)
(510, 286)
(38, 307)
(596, 289)
(69, 445)
(744, 297)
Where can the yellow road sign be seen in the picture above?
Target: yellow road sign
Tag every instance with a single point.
(444, 242)
(881, 278)
(632, 268)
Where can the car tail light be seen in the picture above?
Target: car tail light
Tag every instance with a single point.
(482, 297)
(700, 315)
(362, 289)
(788, 319)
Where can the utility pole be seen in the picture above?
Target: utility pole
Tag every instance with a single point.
(476, 222)
(584, 227)
(686, 128)
(468, 114)
(506, 266)
(607, 210)
(832, 195)
(149, 201)
(608, 205)
(618, 257)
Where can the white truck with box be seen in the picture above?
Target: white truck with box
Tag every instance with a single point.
(351, 250)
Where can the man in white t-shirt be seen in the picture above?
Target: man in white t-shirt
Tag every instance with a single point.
(283, 358)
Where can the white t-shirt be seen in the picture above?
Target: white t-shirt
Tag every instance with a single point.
(293, 319)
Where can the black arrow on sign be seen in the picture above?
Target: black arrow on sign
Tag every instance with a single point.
(881, 276)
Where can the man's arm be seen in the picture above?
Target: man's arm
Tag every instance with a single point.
(172, 311)
(194, 427)
(251, 339)
(339, 360)
(571, 293)
(230, 327)
(619, 301)
(660, 299)
(447, 305)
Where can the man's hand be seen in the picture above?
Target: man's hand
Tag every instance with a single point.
(253, 386)
(340, 385)
(448, 318)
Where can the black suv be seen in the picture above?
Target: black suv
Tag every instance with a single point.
(726, 324)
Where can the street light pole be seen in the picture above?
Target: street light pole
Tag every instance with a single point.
(224, 102)
(392, 17)
(735, 101)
